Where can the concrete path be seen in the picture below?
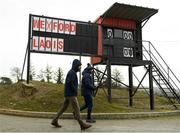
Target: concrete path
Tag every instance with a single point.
(26, 124)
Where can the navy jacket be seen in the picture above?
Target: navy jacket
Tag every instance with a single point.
(71, 82)
(87, 87)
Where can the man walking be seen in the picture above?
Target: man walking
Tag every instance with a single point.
(87, 90)
(70, 94)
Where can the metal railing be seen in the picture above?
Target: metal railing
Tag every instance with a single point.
(151, 53)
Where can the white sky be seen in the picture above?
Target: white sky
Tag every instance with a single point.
(162, 29)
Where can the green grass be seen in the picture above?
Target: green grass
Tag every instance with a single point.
(50, 96)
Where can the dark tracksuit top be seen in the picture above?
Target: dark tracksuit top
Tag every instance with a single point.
(87, 92)
(87, 83)
(71, 82)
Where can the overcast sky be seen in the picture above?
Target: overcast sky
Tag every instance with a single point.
(162, 29)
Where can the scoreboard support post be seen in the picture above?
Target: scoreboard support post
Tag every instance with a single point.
(130, 86)
(28, 47)
(151, 91)
(109, 80)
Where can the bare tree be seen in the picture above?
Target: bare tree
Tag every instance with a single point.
(15, 72)
(48, 73)
(117, 76)
(32, 72)
(59, 76)
(40, 76)
(98, 77)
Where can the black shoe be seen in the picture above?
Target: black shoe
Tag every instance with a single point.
(85, 126)
(55, 123)
(90, 120)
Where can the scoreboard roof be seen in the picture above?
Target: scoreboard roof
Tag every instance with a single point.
(131, 12)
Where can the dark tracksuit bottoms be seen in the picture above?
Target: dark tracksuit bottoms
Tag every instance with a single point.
(88, 104)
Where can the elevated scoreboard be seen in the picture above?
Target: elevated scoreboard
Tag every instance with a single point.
(120, 34)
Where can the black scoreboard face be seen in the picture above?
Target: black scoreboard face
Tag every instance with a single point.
(119, 43)
(118, 34)
(53, 35)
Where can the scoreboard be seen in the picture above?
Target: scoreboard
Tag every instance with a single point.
(62, 36)
(118, 42)
(120, 34)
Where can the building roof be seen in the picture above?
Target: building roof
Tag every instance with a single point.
(131, 12)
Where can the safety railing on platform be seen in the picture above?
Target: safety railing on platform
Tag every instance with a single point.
(151, 53)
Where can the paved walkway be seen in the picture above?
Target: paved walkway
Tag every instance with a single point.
(26, 124)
